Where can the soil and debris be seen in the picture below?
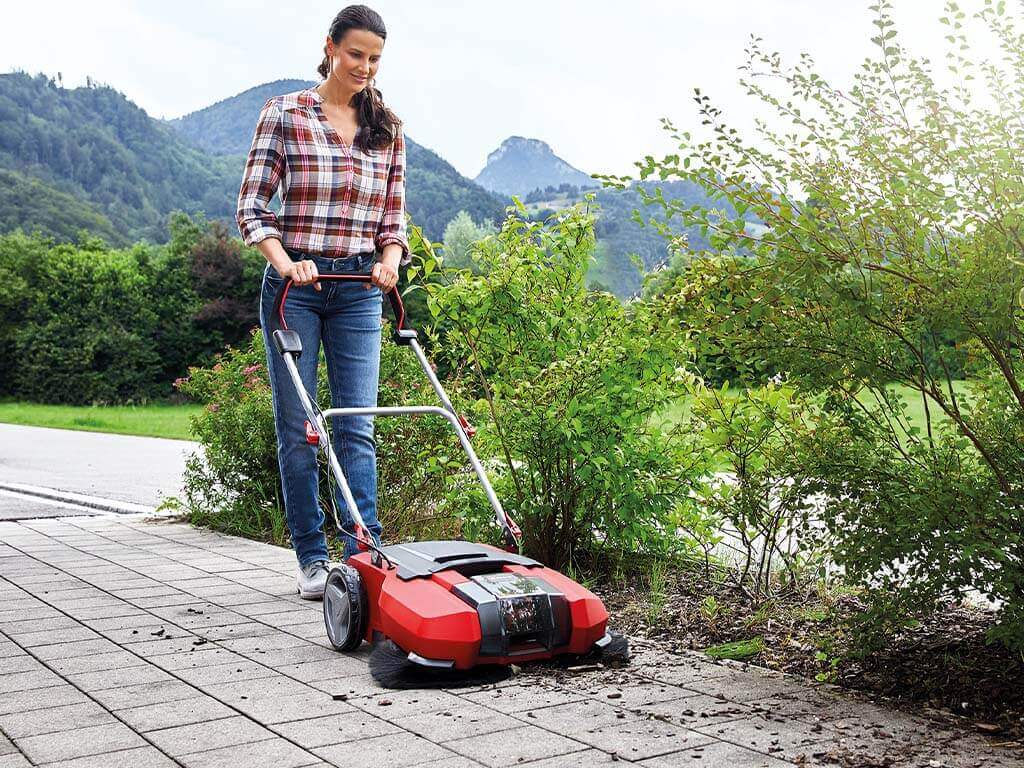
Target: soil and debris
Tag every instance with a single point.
(942, 668)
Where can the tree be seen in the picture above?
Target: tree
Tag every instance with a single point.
(459, 237)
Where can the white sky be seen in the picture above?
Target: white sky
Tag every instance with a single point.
(590, 77)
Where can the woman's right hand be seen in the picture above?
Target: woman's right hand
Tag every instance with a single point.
(303, 273)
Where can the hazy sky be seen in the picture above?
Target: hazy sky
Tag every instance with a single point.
(590, 77)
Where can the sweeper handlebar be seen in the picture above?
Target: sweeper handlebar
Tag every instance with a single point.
(403, 333)
(290, 346)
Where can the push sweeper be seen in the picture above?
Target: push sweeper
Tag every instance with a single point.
(441, 611)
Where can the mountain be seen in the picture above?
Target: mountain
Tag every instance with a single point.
(34, 206)
(95, 145)
(90, 158)
(435, 191)
(521, 165)
(226, 128)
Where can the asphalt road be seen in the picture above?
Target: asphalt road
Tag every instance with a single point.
(122, 468)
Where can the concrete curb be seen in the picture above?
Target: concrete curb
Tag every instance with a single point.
(79, 499)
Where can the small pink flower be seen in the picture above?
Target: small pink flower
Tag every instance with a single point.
(214, 407)
(251, 369)
(179, 381)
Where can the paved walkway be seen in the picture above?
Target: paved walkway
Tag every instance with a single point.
(132, 643)
(121, 468)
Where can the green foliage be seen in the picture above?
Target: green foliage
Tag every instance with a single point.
(566, 380)
(459, 236)
(890, 257)
(753, 435)
(96, 145)
(33, 206)
(233, 484)
(738, 650)
(84, 329)
(86, 324)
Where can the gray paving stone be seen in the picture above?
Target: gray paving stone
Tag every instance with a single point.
(141, 694)
(271, 753)
(783, 740)
(141, 757)
(212, 734)
(520, 698)
(49, 624)
(270, 710)
(173, 713)
(576, 716)
(22, 663)
(401, 703)
(74, 649)
(337, 729)
(27, 681)
(207, 655)
(14, 760)
(329, 669)
(518, 745)
(743, 686)
(718, 753)
(397, 750)
(240, 669)
(640, 739)
(293, 655)
(50, 719)
(26, 701)
(48, 637)
(584, 759)
(275, 641)
(273, 686)
(694, 711)
(98, 662)
(460, 722)
(82, 742)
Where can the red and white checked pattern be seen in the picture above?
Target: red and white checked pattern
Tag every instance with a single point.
(336, 200)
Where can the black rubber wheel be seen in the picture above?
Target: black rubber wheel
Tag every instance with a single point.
(346, 608)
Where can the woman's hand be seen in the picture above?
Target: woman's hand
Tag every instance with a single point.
(303, 273)
(384, 274)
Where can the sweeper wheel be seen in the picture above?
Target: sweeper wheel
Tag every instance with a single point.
(346, 608)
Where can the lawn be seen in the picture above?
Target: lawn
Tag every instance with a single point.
(915, 406)
(156, 420)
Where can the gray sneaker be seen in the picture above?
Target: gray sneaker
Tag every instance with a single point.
(312, 579)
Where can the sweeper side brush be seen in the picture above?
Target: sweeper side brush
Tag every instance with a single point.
(442, 612)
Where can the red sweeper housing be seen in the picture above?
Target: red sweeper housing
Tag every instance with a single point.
(441, 605)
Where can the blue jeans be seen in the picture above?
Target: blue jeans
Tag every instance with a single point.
(346, 317)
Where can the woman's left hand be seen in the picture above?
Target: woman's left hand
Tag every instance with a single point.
(384, 276)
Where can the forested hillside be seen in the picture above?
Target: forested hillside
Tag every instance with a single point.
(95, 144)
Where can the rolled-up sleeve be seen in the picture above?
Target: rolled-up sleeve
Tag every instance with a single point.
(263, 169)
(392, 223)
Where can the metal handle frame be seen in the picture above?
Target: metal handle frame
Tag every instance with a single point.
(317, 420)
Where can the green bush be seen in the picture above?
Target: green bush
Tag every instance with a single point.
(84, 330)
(891, 255)
(566, 382)
(233, 484)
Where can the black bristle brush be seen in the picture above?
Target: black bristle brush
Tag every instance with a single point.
(391, 668)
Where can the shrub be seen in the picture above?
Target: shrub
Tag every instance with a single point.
(891, 255)
(566, 383)
(233, 483)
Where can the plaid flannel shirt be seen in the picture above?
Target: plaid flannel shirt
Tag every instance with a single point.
(336, 200)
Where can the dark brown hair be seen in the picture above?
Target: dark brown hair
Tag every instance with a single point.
(379, 124)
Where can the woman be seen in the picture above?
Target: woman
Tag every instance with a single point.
(337, 154)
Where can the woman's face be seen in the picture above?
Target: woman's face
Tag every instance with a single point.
(354, 60)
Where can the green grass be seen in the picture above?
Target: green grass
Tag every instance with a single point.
(157, 420)
(738, 650)
(915, 406)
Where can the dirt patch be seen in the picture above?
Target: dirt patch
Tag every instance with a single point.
(943, 667)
